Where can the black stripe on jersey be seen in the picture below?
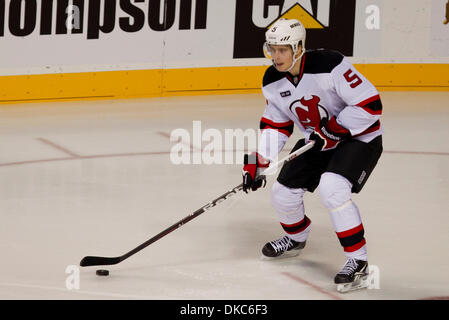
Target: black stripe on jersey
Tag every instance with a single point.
(353, 239)
(272, 75)
(374, 106)
(374, 125)
(285, 128)
(322, 60)
(372, 128)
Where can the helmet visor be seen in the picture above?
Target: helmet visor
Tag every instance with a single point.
(267, 50)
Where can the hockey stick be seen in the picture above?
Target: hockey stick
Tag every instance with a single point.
(97, 261)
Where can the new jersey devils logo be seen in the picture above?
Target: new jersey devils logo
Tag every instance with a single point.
(309, 112)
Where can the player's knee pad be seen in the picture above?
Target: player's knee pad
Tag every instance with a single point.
(335, 190)
(286, 200)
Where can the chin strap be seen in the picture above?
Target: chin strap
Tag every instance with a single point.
(296, 59)
(293, 61)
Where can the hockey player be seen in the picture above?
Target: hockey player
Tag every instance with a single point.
(337, 107)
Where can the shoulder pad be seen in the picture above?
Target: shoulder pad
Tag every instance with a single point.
(272, 75)
(321, 60)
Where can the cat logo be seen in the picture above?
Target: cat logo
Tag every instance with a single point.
(329, 24)
(301, 14)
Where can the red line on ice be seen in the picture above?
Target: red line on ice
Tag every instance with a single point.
(311, 285)
(58, 147)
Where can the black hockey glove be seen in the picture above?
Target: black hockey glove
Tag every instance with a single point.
(251, 179)
(328, 135)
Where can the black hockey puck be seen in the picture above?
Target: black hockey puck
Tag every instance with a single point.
(102, 272)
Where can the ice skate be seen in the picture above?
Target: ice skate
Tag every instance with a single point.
(284, 247)
(353, 276)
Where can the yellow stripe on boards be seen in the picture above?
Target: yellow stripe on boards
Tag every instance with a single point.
(75, 86)
(196, 81)
(407, 77)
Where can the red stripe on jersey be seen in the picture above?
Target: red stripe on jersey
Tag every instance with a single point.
(285, 128)
(277, 124)
(350, 232)
(365, 102)
(356, 246)
(374, 127)
(370, 111)
(370, 105)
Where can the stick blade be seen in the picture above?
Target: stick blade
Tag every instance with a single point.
(98, 261)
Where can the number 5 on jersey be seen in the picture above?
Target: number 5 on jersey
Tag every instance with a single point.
(350, 76)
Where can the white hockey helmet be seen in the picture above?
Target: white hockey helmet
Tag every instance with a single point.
(286, 32)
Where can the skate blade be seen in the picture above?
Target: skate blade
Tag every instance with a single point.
(285, 255)
(361, 283)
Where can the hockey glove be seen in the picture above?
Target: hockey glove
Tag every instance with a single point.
(328, 135)
(251, 179)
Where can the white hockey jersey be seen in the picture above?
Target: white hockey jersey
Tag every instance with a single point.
(328, 85)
